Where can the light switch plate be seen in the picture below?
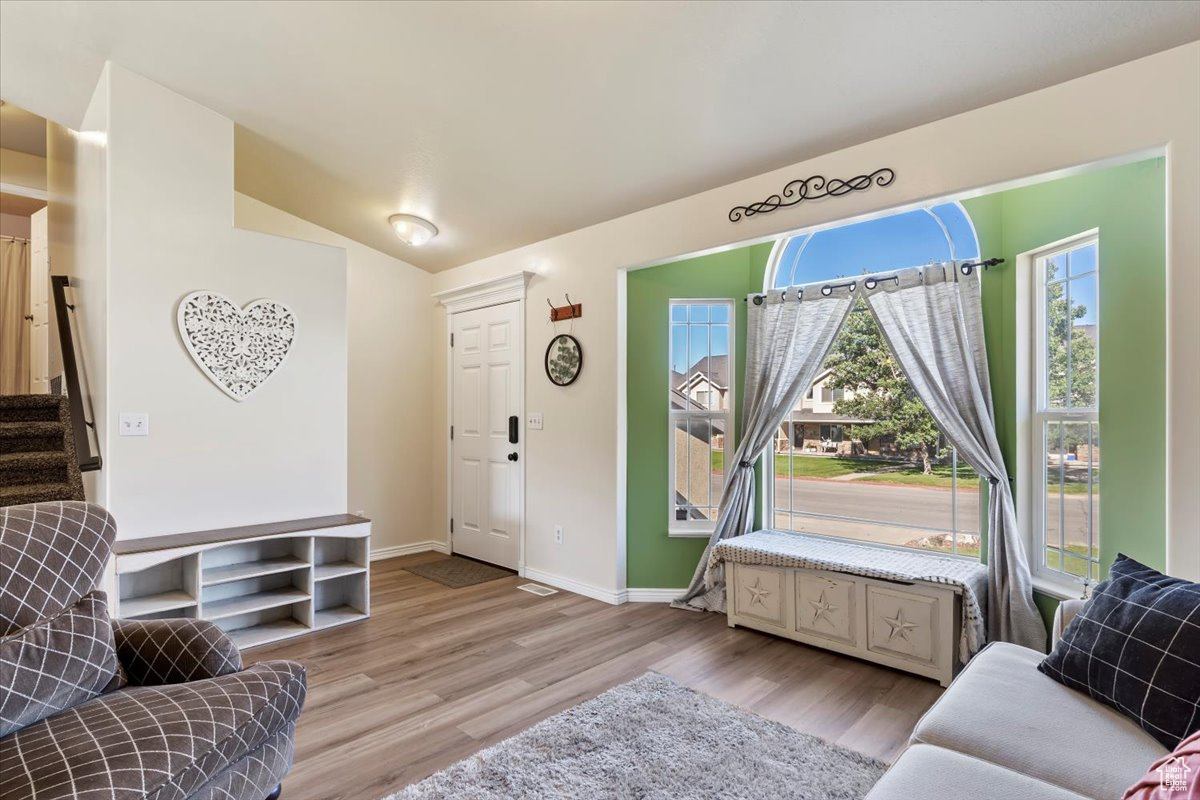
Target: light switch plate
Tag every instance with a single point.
(134, 424)
(533, 421)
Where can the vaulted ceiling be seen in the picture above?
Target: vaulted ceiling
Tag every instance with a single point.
(508, 122)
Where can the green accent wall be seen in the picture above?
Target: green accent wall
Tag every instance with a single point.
(1126, 204)
(655, 560)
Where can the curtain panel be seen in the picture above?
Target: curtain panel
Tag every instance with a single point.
(14, 305)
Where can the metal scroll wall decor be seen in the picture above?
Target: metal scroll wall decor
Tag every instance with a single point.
(813, 188)
(237, 348)
(564, 359)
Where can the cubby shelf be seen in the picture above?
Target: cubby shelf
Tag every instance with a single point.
(236, 572)
(324, 572)
(156, 603)
(261, 583)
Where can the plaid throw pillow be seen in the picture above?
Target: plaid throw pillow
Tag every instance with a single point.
(1135, 646)
(56, 664)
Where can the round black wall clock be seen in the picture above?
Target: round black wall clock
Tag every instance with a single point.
(564, 359)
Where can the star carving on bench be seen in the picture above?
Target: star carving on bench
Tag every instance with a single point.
(758, 593)
(900, 626)
(822, 609)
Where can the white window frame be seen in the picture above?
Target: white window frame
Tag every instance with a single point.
(1031, 434)
(700, 528)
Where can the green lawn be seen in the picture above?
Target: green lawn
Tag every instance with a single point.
(908, 473)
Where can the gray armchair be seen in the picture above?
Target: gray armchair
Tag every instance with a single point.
(91, 708)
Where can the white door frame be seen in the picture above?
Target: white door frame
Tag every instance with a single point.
(506, 289)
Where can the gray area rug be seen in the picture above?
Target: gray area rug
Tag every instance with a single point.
(652, 739)
(457, 572)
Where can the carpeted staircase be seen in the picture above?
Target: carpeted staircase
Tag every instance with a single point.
(37, 450)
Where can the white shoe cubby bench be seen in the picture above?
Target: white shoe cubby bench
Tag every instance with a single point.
(260, 583)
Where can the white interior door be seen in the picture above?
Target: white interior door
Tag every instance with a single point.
(485, 449)
(39, 303)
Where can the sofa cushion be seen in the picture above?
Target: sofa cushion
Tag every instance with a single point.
(1135, 646)
(934, 773)
(1002, 710)
(161, 743)
(55, 664)
(161, 651)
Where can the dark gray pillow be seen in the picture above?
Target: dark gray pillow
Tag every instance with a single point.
(56, 664)
(1135, 646)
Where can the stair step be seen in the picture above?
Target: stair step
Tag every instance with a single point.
(48, 466)
(30, 407)
(26, 437)
(24, 493)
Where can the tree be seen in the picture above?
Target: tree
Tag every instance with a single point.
(1081, 354)
(862, 363)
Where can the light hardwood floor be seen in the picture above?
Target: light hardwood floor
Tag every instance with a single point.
(436, 674)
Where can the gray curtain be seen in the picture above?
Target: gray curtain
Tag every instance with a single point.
(933, 321)
(786, 343)
(14, 305)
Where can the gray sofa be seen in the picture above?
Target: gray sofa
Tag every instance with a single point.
(1004, 731)
(115, 710)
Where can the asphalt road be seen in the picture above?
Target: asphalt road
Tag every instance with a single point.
(909, 510)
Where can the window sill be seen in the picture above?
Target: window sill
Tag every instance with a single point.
(1058, 589)
(689, 533)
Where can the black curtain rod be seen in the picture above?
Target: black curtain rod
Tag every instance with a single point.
(870, 280)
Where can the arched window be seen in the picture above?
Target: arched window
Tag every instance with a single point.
(908, 239)
(860, 457)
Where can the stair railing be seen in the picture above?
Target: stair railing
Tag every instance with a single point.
(82, 427)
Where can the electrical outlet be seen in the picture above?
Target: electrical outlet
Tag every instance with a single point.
(558, 534)
(533, 421)
(134, 424)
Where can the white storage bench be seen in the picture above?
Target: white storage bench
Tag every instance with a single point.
(260, 583)
(916, 612)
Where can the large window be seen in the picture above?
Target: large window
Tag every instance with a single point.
(700, 399)
(861, 457)
(1066, 409)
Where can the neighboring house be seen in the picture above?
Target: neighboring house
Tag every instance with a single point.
(814, 427)
(704, 387)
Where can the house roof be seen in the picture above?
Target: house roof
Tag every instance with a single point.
(714, 368)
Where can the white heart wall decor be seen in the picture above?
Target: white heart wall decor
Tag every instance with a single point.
(237, 348)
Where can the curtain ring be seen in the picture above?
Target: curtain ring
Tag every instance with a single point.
(870, 283)
(966, 268)
(758, 299)
(826, 290)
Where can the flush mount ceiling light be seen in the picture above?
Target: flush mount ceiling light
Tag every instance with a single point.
(412, 230)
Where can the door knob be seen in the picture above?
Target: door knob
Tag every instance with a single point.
(512, 456)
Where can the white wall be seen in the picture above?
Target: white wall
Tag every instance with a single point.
(572, 466)
(77, 208)
(389, 319)
(22, 170)
(209, 461)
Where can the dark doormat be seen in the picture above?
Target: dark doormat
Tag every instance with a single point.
(457, 572)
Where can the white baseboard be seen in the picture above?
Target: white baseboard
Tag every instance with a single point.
(615, 598)
(652, 595)
(409, 549)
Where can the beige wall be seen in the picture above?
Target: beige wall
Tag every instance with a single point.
(391, 355)
(22, 169)
(574, 466)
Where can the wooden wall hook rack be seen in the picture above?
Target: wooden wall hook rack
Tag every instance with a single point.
(569, 311)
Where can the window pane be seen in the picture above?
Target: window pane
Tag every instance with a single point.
(1057, 351)
(719, 312)
(697, 312)
(873, 468)
(1054, 481)
(1093, 459)
(1084, 338)
(678, 312)
(1083, 260)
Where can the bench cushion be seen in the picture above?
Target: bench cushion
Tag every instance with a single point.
(933, 773)
(1001, 709)
(161, 743)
